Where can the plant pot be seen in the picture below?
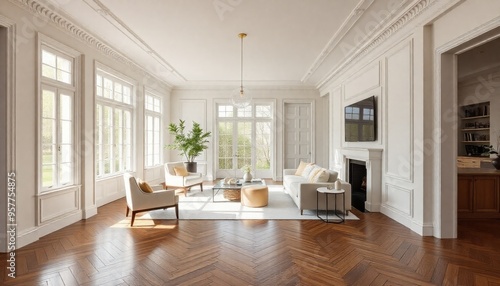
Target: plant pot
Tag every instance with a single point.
(191, 167)
(496, 163)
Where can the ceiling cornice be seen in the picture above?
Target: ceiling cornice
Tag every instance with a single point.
(250, 84)
(411, 13)
(114, 20)
(62, 22)
(337, 37)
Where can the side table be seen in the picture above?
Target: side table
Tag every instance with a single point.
(327, 192)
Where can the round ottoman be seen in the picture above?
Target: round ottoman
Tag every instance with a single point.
(254, 196)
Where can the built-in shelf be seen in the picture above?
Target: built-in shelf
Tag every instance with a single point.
(475, 129)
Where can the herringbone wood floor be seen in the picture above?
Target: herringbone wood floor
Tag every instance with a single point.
(375, 250)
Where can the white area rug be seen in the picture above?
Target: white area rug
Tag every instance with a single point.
(199, 205)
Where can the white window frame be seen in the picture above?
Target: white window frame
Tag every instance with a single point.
(115, 105)
(156, 113)
(59, 87)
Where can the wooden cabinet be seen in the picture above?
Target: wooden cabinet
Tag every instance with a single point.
(478, 196)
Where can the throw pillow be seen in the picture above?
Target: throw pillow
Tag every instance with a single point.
(307, 170)
(321, 177)
(145, 187)
(313, 173)
(301, 168)
(181, 171)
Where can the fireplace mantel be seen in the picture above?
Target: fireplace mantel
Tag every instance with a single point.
(373, 159)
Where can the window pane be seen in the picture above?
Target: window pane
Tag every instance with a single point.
(48, 175)
(65, 153)
(48, 104)
(65, 173)
(245, 112)
(263, 145)
(48, 58)
(66, 132)
(127, 96)
(63, 65)
(64, 77)
(225, 111)
(118, 91)
(48, 131)
(48, 154)
(48, 71)
(108, 88)
(66, 107)
(263, 111)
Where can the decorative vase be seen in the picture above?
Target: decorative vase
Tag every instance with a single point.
(496, 162)
(247, 177)
(338, 185)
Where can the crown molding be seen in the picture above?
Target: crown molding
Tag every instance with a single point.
(411, 13)
(252, 85)
(114, 20)
(64, 23)
(334, 41)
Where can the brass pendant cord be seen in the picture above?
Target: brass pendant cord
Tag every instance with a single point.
(242, 35)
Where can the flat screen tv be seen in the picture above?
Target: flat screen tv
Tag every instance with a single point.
(360, 121)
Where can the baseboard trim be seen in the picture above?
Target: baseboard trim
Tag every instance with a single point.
(407, 221)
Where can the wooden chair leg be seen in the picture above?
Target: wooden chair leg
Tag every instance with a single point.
(133, 218)
(201, 186)
(127, 211)
(177, 211)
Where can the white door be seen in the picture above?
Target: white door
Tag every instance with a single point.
(298, 134)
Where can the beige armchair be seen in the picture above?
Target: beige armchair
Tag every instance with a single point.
(141, 201)
(181, 178)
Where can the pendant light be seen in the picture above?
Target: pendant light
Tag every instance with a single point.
(241, 97)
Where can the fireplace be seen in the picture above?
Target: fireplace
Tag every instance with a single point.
(357, 179)
(369, 159)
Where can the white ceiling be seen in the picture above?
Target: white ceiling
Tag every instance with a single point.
(193, 42)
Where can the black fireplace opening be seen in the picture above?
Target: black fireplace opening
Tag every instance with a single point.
(357, 179)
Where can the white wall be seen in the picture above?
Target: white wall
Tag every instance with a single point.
(400, 68)
(199, 105)
(39, 214)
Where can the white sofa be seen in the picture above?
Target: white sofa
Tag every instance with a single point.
(303, 192)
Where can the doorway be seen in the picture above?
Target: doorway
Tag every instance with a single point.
(298, 134)
(447, 66)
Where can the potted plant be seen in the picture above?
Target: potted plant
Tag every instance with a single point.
(190, 144)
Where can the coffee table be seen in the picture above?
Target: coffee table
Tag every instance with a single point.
(233, 187)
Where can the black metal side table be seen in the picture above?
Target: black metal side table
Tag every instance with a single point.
(327, 192)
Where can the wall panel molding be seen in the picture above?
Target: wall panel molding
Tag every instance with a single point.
(398, 199)
(399, 113)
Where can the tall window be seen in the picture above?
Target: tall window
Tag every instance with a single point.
(244, 137)
(57, 97)
(114, 111)
(152, 129)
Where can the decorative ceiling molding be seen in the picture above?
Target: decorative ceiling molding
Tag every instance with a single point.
(338, 36)
(114, 20)
(62, 22)
(415, 10)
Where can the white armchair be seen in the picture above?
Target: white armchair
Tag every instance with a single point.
(185, 182)
(140, 201)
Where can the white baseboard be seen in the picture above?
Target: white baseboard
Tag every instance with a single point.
(404, 219)
(33, 234)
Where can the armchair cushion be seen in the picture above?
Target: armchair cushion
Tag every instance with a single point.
(145, 187)
(181, 171)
